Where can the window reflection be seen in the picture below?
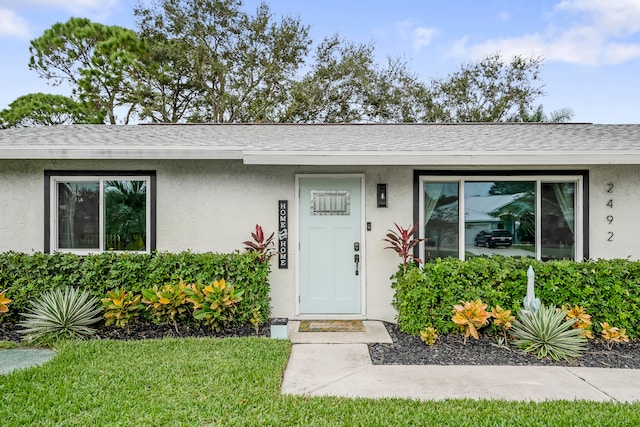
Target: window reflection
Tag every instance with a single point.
(500, 218)
(78, 215)
(558, 221)
(441, 220)
(125, 215)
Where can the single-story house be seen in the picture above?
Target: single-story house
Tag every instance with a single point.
(329, 192)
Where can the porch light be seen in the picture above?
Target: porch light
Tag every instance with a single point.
(382, 195)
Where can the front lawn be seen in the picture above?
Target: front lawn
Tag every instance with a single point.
(235, 381)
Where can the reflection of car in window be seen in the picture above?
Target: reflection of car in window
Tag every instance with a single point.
(493, 238)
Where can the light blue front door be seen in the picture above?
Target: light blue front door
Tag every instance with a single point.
(330, 224)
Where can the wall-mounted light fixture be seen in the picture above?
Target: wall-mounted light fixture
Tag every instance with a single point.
(382, 195)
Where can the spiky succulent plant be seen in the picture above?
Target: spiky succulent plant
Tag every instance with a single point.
(61, 313)
(545, 333)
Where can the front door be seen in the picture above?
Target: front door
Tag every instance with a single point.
(330, 245)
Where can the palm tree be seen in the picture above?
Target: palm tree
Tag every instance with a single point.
(125, 214)
(562, 115)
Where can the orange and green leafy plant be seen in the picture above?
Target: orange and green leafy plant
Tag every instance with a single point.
(263, 247)
(503, 319)
(256, 319)
(168, 303)
(613, 335)
(428, 335)
(4, 302)
(470, 316)
(403, 242)
(120, 307)
(213, 304)
(583, 320)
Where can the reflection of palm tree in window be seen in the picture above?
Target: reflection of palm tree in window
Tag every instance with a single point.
(520, 212)
(125, 214)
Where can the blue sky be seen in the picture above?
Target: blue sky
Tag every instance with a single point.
(591, 47)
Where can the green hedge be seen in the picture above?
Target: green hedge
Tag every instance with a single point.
(608, 289)
(26, 276)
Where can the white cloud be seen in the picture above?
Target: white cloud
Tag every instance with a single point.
(12, 25)
(422, 36)
(588, 32)
(504, 16)
(93, 7)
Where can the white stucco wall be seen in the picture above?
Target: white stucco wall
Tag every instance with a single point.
(214, 205)
(625, 196)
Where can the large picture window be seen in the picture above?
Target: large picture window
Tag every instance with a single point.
(90, 213)
(524, 215)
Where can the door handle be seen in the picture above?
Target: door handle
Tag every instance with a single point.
(356, 259)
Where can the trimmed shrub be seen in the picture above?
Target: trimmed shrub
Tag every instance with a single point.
(608, 289)
(27, 276)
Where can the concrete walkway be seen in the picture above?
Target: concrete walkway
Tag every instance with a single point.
(13, 359)
(325, 368)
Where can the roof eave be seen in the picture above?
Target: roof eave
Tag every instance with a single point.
(374, 158)
(120, 153)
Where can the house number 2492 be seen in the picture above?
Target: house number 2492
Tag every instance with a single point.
(610, 188)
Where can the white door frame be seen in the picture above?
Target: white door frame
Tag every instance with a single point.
(363, 255)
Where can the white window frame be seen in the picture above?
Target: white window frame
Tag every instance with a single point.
(577, 180)
(53, 210)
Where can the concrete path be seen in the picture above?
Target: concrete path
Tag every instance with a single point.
(329, 369)
(13, 359)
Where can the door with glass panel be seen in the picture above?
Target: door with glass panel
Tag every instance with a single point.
(331, 259)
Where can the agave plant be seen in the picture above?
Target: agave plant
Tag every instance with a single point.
(546, 334)
(59, 313)
(403, 242)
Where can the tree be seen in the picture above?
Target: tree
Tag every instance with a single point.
(490, 90)
(346, 85)
(241, 65)
(335, 89)
(98, 61)
(40, 109)
(562, 115)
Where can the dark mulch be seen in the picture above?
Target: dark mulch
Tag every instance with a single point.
(450, 350)
(147, 330)
(405, 350)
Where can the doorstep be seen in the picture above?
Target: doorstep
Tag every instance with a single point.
(374, 332)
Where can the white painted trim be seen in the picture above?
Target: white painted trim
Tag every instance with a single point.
(120, 153)
(363, 245)
(319, 157)
(441, 158)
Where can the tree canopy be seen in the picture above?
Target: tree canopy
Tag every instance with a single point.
(40, 109)
(212, 61)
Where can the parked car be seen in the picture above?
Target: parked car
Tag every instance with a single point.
(493, 238)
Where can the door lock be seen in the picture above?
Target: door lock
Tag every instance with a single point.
(356, 246)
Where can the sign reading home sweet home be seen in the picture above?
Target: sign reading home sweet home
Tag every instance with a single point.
(283, 234)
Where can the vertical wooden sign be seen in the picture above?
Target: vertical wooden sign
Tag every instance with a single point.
(283, 234)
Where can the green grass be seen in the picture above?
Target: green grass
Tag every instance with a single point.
(207, 382)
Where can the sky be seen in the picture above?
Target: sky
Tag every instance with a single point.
(591, 48)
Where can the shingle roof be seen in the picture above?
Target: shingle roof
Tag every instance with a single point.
(333, 144)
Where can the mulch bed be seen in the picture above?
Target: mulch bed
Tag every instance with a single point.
(405, 350)
(147, 330)
(450, 350)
